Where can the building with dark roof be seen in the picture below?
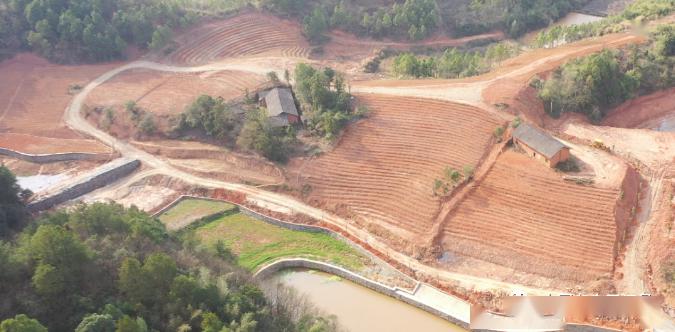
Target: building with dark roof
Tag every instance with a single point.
(280, 106)
(540, 145)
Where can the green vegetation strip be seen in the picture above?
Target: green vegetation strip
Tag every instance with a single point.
(191, 209)
(256, 242)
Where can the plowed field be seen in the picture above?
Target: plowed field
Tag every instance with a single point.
(524, 216)
(384, 167)
(247, 34)
(169, 93)
(33, 97)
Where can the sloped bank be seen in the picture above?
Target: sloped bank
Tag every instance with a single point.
(97, 178)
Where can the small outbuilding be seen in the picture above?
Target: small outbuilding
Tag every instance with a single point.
(540, 145)
(280, 106)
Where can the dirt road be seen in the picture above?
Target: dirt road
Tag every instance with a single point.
(635, 261)
(75, 120)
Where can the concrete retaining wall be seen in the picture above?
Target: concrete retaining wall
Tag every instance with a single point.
(394, 292)
(98, 178)
(54, 157)
(587, 328)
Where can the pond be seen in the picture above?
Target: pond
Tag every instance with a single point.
(666, 124)
(358, 308)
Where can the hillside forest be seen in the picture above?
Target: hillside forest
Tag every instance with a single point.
(594, 84)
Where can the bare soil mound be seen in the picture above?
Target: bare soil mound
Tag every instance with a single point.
(384, 167)
(33, 96)
(525, 216)
(643, 112)
(243, 35)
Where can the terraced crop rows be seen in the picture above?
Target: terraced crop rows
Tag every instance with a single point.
(247, 34)
(384, 167)
(170, 93)
(525, 211)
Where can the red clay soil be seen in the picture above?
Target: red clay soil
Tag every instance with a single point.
(33, 97)
(384, 167)
(244, 35)
(43, 145)
(170, 93)
(525, 216)
(640, 112)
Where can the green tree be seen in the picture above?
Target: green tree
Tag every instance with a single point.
(315, 25)
(12, 211)
(96, 323)
(21, 323)
(128, 324)
(160, 37)
(147, 126)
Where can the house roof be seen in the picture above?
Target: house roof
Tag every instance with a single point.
(280, 100)
(538, 140)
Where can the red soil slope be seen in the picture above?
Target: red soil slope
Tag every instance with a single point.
(641, 112)
(33, 97)
(169, 93)
(384, 167)
(246, 34)
(524, 216)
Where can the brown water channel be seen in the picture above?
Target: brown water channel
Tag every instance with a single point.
(358, 308)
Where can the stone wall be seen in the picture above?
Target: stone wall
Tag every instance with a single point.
(97, 178)
(54, 157)
(395, 292)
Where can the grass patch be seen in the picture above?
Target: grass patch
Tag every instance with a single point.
(256, 242)
(190, 210)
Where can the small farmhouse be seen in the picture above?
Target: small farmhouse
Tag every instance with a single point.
(280, 106)
(540, 145)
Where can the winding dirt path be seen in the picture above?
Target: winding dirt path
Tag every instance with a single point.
(467, 92)
(74, 119)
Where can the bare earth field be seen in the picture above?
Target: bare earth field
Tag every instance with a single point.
(164, 93)
(525, 216)
(33, 96)
(244, 35)
(384, 167)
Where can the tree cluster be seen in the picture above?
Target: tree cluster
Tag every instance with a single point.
(412, 19)
(12, 209)
(639, 10)
(211, 115)
(512, 17)
(453, 63)
(451, 179)
(260, 135)
(250, 129)
(594, 84)
(103, 267)
(84, 30)
(327, 105)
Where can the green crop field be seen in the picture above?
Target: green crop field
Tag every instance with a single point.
(256, 242)
(190, 210)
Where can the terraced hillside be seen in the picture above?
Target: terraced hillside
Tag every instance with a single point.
(525, 216)
(247, 34)
(384, 167)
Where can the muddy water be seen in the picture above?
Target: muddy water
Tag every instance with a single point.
(570, 19)
(358, 308)
(37, 183)
(666, 124)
